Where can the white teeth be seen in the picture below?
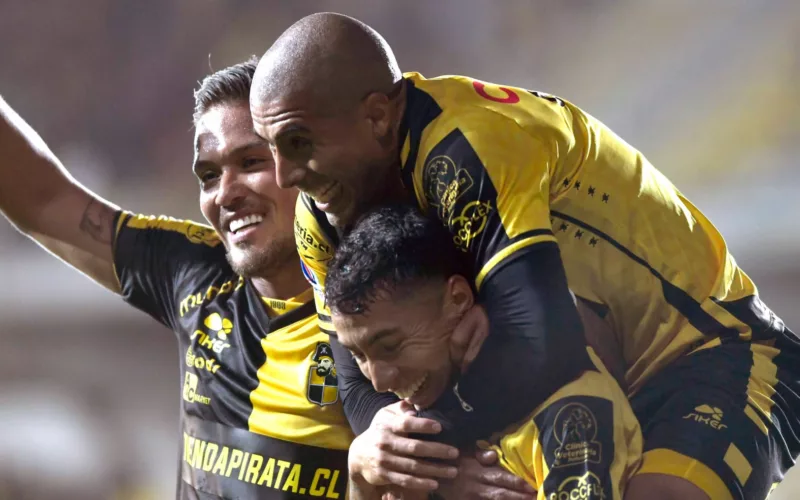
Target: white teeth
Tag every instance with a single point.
(408, 393)
(248, 220)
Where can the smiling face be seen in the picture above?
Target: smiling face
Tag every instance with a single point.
(341, 156)
(238, 193)
(402, 342)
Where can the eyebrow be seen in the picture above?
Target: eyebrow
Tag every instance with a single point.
(198, 165)
(379, 335)
(291, 129)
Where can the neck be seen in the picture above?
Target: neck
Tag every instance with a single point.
(394, 191)
(283, 284)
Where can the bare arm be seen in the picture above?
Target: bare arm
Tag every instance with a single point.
(44, 202)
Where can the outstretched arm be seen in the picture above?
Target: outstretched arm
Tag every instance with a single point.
(46, 203)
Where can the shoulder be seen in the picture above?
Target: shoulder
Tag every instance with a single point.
(181, 229)
(475, 102)
(168, 243)
(314, 236)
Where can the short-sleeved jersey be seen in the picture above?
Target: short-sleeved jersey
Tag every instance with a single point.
(261, 416)
(506, 168)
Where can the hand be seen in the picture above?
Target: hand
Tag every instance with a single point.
(468, 336)
(480, 477)
(384, 455)
(401, 494)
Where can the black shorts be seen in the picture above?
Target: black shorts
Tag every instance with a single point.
(726, 417)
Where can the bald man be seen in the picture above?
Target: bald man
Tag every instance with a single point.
(539, 195)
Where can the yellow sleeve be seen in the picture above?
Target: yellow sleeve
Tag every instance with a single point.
(315, 240)
(563, 452)
(488, 179)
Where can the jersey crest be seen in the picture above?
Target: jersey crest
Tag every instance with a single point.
(323, 387)
(445, 184)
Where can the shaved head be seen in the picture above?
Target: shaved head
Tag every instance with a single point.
(331, 59)
(328, 97)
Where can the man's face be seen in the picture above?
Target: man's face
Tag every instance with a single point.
(324, 366)
(342, 158)
(402, 343)
(238, 193)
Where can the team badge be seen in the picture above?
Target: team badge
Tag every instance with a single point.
(322, 381)
(445, 184)
(575, 429)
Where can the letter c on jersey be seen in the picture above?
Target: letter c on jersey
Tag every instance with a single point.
(510, 98)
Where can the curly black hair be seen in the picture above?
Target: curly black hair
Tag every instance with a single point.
(388, 248)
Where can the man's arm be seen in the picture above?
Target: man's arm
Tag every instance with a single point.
(536, 346)
(44, 202)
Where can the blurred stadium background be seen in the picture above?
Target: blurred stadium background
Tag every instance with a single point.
(89, 396)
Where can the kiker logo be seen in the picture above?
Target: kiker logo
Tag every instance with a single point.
(220, 327)
(708, 415)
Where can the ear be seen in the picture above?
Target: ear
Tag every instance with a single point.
(458, 296)
(377, 108)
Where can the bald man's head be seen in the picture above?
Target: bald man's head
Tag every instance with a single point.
(328, 95)
(331, 58)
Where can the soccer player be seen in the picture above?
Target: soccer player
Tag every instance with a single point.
(538, 194)
(261, 416)
(261, 413)
(396, 289)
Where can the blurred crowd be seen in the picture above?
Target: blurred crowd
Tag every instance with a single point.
(88, 389)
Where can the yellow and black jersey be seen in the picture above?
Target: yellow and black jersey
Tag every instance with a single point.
(261, 415)
(507, 169)
(579, 444)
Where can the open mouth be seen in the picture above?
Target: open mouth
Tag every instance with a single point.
(410, 391)
(239, 224)
(325, 197)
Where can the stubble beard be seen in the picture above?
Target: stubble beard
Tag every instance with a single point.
(266, 261)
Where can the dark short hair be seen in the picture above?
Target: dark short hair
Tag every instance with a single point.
(388, 248)
(231, 84)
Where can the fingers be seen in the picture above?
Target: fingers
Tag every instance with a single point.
(410, 482)
(410, 424)
(501, 478)
(417, 468)
(485, 470)
(492, 493)
(415, 448)
(486, 458)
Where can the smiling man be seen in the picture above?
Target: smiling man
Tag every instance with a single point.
(543, 198)
(397, 288)
(260, 415)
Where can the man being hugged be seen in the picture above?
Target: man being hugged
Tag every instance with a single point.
(397, 288)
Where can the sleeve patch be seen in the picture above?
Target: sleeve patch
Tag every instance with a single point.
(456, 185)
(577, 435)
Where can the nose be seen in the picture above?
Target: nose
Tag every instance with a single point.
(382, 375)
(230, 190)
(287, 172)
